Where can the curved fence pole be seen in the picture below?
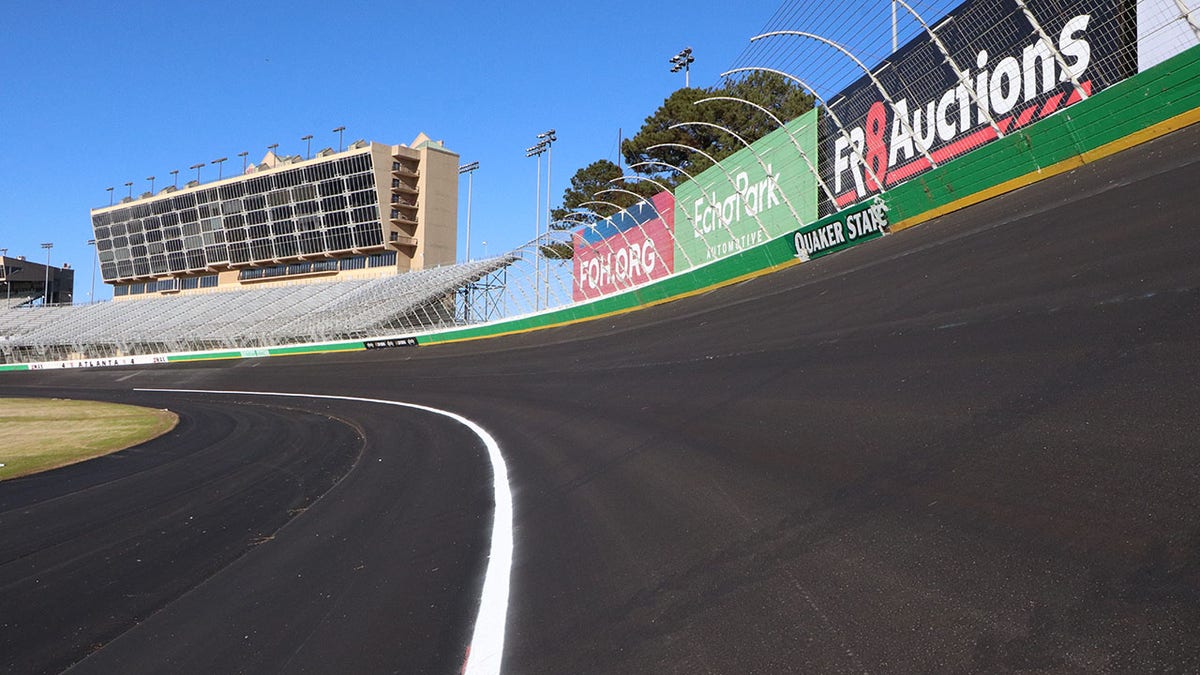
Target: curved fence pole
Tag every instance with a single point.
(828, 111)
(758, 158)
(583, 289)
(664, 188)
(618, 207)
(620, 233)
(707, 197)
(878, 85)
(652, 205)
(958, 72)
(1062, 62)
(796, 144)
(732, 182)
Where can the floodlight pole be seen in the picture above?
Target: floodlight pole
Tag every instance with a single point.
(548, 137)
(307, 153)
(110, 195)
(197, 168)
(468, 169)
(220, 162)
(7, 282)
(46, 283)
(130, 186)
(243, 154)
(92, 293)
(339, 131)
(151, 179)
(536, 152)
(175, 174)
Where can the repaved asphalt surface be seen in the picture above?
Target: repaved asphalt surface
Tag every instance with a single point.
(971, 446)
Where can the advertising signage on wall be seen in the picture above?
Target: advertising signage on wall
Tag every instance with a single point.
(629, 249)
(1011, 77)
(857, 224)
(750, 197)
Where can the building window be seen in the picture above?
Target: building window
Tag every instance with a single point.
(382, 259)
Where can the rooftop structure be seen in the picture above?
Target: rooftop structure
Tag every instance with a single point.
(24, 281)
(372, 210)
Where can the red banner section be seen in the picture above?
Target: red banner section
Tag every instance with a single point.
(634, 251)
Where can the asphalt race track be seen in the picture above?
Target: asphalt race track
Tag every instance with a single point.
(971, 446)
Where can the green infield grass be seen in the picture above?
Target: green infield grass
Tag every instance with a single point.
(38, 434)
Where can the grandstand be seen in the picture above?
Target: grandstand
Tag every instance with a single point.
(246, 318)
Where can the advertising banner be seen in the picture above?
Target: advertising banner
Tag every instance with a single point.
(750, 197)
(1010, 75)
(629, 249)
(862, 222)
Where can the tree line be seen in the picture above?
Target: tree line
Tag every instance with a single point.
(689, 117)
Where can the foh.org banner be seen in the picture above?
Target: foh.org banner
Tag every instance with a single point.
(1011, 76)
(631, 248)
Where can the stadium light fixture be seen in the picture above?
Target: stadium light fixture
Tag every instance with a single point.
(220, 162)
(683, 61)
(197, 168)
(338, 131)
(273, 148)
(151, 179)
(243, 154)
(46, 287)
(110, 195)
(308, 152)
(468, 169)
(130, 186)
(175, 173)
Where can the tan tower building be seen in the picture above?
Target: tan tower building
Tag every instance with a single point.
(371, 210)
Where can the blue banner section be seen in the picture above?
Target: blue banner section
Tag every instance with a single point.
(635, 215)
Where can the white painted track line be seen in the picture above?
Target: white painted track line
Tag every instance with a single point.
(486, 650)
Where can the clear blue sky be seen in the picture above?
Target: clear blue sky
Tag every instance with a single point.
(96, 94)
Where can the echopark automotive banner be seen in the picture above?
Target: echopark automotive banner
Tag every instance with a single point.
(1011, 76)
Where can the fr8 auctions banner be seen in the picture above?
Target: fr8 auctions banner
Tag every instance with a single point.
(629, 249)
(1010, 76)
